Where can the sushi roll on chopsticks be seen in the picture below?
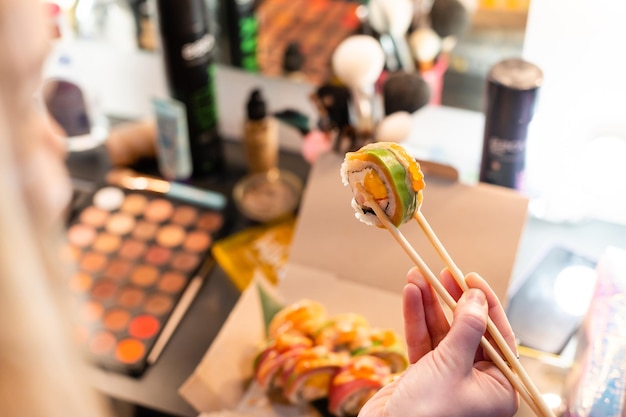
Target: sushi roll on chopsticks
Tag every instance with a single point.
(387, 186)
(390, 175)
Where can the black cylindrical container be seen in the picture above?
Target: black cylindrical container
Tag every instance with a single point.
(188, 47)
(512, 89)
(243, 31)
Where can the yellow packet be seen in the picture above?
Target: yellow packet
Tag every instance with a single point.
(263, 248)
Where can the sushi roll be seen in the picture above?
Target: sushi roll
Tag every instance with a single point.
(390, 175)
(340, 359)
(307, 377)
(355, 383)
(271, 361)
(343, 332)
(387, 345)
(304, 317)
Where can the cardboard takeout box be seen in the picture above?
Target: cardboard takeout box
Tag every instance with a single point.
(351, 267)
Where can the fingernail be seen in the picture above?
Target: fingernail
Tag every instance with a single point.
(475, 296)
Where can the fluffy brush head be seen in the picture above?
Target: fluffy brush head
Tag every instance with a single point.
(404, 91)
(449, 18)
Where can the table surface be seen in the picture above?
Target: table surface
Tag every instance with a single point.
(157, 388)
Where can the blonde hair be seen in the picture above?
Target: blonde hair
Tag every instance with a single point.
(42, 372)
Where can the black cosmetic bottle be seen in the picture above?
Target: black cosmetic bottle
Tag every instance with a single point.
(512, 90)
(243, 31)
(188, 48)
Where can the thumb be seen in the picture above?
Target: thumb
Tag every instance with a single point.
(467, 328)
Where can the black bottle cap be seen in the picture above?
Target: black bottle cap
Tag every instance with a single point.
(513, 86)
(256, 108)
(293, 58)
(182, 16)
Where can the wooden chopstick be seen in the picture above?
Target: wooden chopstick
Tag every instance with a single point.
(511, 357)
(533, 403)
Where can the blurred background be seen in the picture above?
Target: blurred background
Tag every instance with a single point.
(494, 30)
(579, 119)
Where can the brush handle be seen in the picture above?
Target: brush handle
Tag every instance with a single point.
(404, 53)
(391, 56)
(205, 198)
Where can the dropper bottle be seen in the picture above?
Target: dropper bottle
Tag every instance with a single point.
(268, 193)
(260, 135)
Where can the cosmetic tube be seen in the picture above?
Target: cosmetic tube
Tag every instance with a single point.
(243, 30)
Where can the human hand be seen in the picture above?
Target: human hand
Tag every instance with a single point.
(450, 374)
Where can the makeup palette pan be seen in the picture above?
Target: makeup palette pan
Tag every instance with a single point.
(141, 258)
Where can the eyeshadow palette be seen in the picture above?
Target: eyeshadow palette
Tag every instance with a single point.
(141, 258)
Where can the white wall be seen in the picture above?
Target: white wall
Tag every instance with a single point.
(581, 47)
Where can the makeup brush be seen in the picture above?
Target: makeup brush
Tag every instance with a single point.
(449, 19)
(394, 127)
(392, 19)
(426, 45)
(358, 62)
(470, 5)
(295, 119)
(378, 22)
(421, 9)
(403, 91)
(129, 179)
